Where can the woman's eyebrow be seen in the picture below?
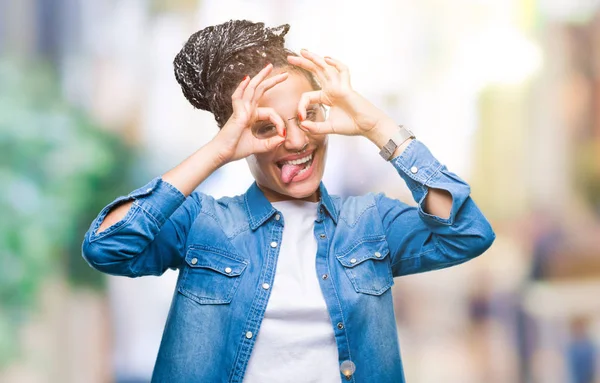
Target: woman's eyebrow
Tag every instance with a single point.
(311, 107)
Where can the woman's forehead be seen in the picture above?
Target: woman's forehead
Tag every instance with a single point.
(284, 97)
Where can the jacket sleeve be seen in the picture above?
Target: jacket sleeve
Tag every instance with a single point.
(150, 238)
(419, 241)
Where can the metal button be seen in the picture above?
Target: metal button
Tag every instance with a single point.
(414, 170)
(194, 261)
(265, 286)
(322, 236)
(228, 270)
(324, 276)
(277, 217)
(249, 334)
(321, 210)
(353, 260)
(273, 244)
(347, 368)
(340, 325)
(378, 254)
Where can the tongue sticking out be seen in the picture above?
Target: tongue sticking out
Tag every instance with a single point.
(289, 171)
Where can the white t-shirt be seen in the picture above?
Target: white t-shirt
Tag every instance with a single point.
(295, 341)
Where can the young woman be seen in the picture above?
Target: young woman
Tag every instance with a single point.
(285, 282)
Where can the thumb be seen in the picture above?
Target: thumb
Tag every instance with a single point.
(322, 127)
(268, 144)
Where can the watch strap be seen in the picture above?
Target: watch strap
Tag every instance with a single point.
(401, 135)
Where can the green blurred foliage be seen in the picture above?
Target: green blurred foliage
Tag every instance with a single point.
(57, 171)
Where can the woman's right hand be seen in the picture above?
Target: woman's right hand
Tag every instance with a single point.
(235, 140)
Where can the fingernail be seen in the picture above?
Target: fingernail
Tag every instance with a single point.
(245, 77)
(267, 65)
(327, 57)
(284, 132)
(300, 117)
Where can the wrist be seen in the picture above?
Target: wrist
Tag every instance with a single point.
(387, 130)
(365, 114)
(382, 131)
(219, 154)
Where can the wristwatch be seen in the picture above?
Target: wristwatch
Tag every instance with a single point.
(397, 139)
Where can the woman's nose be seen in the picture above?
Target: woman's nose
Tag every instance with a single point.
(295, 138)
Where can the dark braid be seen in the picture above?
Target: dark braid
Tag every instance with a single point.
(215, 59)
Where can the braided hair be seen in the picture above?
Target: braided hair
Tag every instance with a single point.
(215, 59)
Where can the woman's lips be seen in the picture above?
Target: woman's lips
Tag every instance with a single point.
(294, 173)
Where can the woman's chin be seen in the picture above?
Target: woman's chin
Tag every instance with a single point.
(302, 189)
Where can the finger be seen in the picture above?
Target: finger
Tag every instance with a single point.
(268, 144)
(328, 71)
(236, 97)
(270, 114)
(239, 91)
(259, 145)
(321, 127)
(309, 98)
(304, 63)
(341, 67)
(269, 83)
(315, 58)
(256, 80)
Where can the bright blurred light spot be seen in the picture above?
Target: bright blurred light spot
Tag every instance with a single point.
(499, 56)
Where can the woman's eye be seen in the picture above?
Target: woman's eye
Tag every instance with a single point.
(311, 115)
(266, 130)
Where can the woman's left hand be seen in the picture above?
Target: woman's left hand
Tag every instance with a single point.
(350, 114)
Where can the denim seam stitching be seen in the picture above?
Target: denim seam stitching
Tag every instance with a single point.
(351, 225)
(435, 172)
(339, 307)
(180, 250)
(247, 208)
(180, 195)
(147, 212)
(94, 236)
(418, 255)
(216, 250)
(375, 238)
(249, 322)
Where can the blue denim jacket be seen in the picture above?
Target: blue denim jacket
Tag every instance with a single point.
(225, 249)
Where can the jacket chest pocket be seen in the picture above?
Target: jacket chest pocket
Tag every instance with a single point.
(367, 265)
(210, 276)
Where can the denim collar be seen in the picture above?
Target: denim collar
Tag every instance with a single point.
(259, 208)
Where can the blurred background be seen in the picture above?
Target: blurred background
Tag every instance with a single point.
(506, 93)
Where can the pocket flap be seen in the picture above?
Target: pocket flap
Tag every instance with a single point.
(214, 259)
(371, 248)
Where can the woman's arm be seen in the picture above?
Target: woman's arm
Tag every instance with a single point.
(145, 232)
(421, 240)
(438, 202)
(446, 228)
(185, 177)
(233, 142)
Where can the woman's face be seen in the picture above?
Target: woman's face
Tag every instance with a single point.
(283, 173)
